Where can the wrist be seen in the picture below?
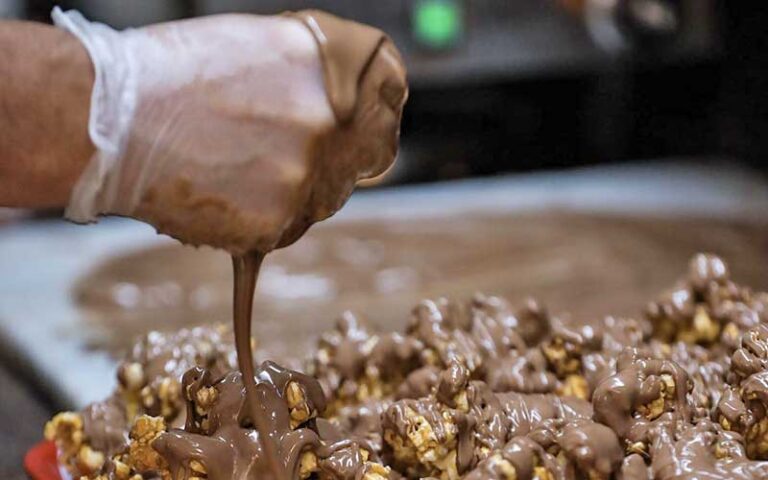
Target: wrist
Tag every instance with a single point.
(112, 103)
(74, 72)
(47, 80)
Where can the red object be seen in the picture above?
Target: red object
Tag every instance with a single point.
(40, 462)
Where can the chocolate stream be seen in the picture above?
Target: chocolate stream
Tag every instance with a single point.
(246, 270)
(346, 50)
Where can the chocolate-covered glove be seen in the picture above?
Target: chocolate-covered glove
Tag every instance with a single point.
(236, 131)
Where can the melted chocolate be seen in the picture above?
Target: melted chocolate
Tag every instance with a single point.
(225, 443)
(472, 389)
(619, 401)
(106, 425)
(346, 48)
(246, 271)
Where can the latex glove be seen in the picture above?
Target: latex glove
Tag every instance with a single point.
(218, 130)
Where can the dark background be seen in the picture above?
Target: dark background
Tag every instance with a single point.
(531, 84)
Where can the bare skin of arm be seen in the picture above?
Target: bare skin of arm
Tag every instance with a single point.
(46, 79)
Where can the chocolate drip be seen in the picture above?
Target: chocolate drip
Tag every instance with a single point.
(346, 49)
(246, 270)
(105, 424)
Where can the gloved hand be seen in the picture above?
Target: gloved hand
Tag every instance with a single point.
(219, 130)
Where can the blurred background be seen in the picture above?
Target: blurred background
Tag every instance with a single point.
(502, 85)
(575, 150)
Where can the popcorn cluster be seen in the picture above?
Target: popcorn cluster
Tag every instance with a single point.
(473, 390)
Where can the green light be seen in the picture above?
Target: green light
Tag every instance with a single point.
(437, 23)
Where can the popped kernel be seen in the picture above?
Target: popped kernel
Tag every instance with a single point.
(501, 464)
(563, 358)
(639, 448)
(421, 449)
(757, 440)
(657, 406)
(376, 471)
(702, 329)
(725, 423)
(89, 461)
(300, 410)
(541, 473)
(574, 386)
(731, 332)
(205, 398)
(131, 376)
(141, 456)
(307, 465)
(122, 471)
(197, 468)
(66, 429)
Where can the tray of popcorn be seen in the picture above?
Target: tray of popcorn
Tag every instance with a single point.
(477, 388)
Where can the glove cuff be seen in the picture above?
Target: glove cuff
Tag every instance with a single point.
(113, 102)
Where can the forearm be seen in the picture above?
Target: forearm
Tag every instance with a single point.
(46, 79)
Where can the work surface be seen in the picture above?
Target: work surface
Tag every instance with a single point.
(583, 265)
(596, 232)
